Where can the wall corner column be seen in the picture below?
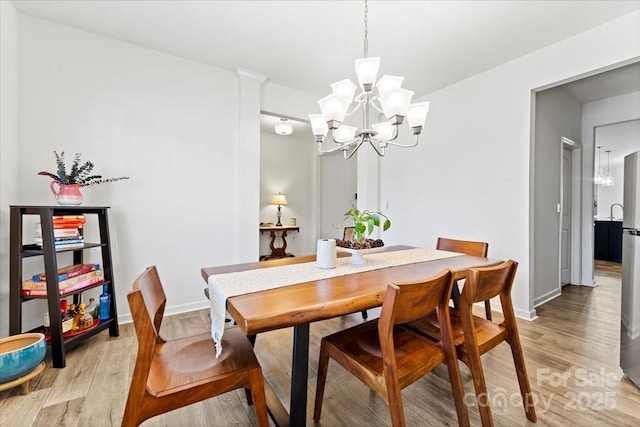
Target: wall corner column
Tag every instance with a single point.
(247, 218)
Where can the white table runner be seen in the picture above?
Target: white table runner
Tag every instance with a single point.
(223, 286)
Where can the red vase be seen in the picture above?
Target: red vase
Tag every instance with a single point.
(67, 195)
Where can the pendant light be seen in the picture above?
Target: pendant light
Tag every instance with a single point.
(284, 128)
(598, 179)
(608, 178)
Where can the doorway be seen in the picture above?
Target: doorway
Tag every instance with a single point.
(570, 212)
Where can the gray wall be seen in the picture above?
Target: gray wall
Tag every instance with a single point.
(558, 115)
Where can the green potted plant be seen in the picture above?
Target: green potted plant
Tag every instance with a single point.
(364, 222)
(70, 181)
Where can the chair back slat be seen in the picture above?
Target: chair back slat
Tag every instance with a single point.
(404, 302)
(463, 246)
(488, 282)
(150, 290)
(409, 301)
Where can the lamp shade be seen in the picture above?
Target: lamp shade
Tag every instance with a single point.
(318, 125)
(385, 130)
(388, 83)
(279, 199)
(345, 133)
(367, 71)
(396, 102)
(417, 114)
(344, 89)
(333, 108)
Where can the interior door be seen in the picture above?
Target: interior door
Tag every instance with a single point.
(565, 227)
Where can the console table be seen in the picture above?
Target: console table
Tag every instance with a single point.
(281, 233)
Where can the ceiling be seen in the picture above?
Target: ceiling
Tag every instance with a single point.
(606, 85)
(620, 138)
(307, 45)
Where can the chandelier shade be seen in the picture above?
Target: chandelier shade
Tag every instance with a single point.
(386, 97)
(367, 71)
(344, 89)
(417, 114)
(395, 104)
(388, 83)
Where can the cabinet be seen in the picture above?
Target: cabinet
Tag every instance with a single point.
(608, 241)
(19, 251)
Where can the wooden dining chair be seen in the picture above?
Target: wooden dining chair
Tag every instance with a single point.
(474, 336)
(388, 357)
(466, 247)
(171, 374)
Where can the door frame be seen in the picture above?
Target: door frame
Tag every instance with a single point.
(576, 217)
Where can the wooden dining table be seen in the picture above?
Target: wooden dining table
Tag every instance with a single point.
(300, 304)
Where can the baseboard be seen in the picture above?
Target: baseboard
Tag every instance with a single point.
(170, 310)
(632, 333)
(547, 297)
(526, 314)
(521, 314)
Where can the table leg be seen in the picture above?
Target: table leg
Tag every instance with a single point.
(299, 376)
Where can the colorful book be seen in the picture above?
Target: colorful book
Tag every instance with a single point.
(68, 218)
(43, 292)
(71, 225)
(67, 241)
(65, 232)
(60, 240)
(68, 272)
(69, 246)
(63, 284)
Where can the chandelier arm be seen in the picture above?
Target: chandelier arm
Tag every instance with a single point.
(331, 150)
(388, 141)
(396, 144)
(344, 144)
(378, 109)
(376, 149)
(349, 155)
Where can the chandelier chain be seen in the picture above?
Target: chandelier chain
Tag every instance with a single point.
(366, 29)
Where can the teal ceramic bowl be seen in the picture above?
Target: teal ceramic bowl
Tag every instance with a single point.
(20, 354)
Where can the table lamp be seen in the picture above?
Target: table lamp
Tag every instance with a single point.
(279, 199)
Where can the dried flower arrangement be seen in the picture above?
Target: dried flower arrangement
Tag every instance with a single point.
(79, 173)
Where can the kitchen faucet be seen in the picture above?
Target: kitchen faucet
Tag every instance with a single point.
(611, 210)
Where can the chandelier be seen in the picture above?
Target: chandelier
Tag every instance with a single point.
(385, 97)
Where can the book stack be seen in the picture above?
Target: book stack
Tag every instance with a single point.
(67, 232)
(70, 279)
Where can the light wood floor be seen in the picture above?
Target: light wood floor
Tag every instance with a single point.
(571, 352)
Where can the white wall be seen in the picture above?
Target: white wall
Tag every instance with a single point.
(557, 115)
(599, 113)
(470, 177)
(339, 187)
(168, 123)
(287, 165)
(8, 144)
